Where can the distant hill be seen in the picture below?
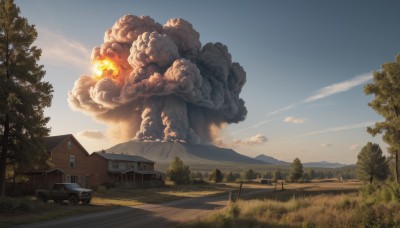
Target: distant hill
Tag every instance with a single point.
(270, 160)
(164, 152)
(321, 164)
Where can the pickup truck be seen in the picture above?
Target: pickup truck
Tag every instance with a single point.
(65, 191)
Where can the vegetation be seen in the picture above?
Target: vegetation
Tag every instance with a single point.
(23, 95)
(249, 174)
(296, 171)
(317, 204)
(229, 177)
(178, 172)
(216, 176)
(371, 163)
(386, 87)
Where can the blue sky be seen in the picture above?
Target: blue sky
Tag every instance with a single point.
(306, 64)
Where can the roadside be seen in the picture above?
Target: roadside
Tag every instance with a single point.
(151, 215)
(119, 198)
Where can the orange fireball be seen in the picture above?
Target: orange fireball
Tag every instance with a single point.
(105, 68)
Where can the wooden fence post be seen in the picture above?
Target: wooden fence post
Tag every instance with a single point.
(282, 185)
(240, 190)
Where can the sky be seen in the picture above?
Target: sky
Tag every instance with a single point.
(306, 64)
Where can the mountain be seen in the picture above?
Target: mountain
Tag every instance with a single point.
(270, 160)
(323, 164)
(164, 152)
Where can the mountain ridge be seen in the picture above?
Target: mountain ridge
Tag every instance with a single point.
(164, 152)
(319, 164)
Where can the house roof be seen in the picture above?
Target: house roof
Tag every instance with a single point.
(52, 142)
(123, 157)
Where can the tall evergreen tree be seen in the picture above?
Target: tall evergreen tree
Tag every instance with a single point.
(296, 171)
(386, 88)
(371, 163)
(216, 176)
(23, 94)
(178, 172)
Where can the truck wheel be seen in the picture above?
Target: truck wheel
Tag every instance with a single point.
(86, 201)
(73, 200)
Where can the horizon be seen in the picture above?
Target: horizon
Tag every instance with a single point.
(306, 65)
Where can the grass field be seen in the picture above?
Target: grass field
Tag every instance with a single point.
(29, 210)
(316, 204)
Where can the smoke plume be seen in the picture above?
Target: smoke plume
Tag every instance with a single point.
(155, 82)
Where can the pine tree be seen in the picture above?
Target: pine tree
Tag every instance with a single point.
(371, 163)
(178, 172)
(229, 177)
(216, 176)
(23, 94)
(386, 88)
(296, 171)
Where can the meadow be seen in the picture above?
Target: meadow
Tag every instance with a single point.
(326, 203)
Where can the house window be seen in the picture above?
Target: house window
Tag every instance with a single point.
(114, 164)
(72, 161)
(69, 145)
(72, 179)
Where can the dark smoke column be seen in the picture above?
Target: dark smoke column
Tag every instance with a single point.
(155, 82)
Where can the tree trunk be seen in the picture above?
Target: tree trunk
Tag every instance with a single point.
(397, 166)
(371, 178)
(3, 157)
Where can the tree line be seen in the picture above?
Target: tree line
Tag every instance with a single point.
(180, 173)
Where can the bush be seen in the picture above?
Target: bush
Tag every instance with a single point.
(10, 205)
(216, 176)
(229, 177)
(178, 172)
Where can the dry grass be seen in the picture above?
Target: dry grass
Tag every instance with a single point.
(113, 198)
(317, 204)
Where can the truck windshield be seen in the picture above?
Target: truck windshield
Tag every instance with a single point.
(73, 185)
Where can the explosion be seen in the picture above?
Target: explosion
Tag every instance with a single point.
(157, 82)
(105, 68)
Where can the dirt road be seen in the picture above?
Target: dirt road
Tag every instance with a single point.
(146, 215)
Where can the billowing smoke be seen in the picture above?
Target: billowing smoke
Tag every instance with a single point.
(155, 82)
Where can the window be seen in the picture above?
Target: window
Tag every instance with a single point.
(72, 161)
(114, 164)
(69, 145)
(72, 179)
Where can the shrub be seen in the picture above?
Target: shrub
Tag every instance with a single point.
(216, 176)
(178, 172)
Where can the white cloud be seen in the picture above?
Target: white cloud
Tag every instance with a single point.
(255, 140)
(340, 128)
(326, 145)
(339, 87)
(92, 134)
(289, 107)
(295, 120)
(355, 147)
(61, 51)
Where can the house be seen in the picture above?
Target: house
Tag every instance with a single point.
(121, 168)
(68, 158)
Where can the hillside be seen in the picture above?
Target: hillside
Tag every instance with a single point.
(164, 152)
(270, 160)
(320, 164)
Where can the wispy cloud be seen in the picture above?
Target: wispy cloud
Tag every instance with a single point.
(339, 87)
(59, 50)
(289, 107)
(340, 128)
(255, 140)
(326, 145)
(295, 120)
(92, 134)
(328, 91)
